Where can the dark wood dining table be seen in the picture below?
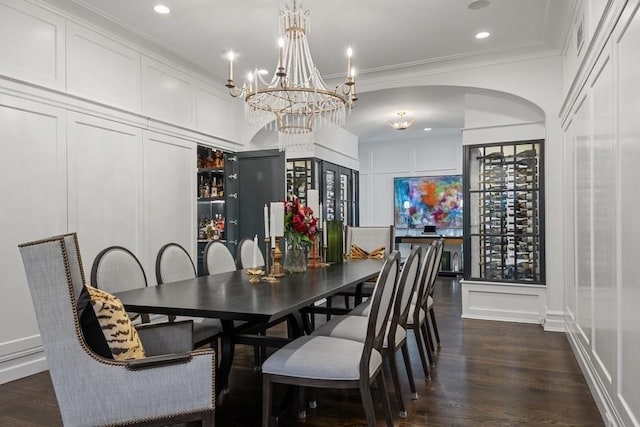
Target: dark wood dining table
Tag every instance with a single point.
(231, 297)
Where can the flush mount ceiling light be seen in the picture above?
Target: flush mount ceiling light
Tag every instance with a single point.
(478, 4)
(482, 35)
(296, 101)
(401, 123)
(161, 9)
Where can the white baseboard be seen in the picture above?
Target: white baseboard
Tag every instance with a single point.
(21, 358)
(554, 321)
(608, 412)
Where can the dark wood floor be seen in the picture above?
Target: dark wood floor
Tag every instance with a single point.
(487, 373)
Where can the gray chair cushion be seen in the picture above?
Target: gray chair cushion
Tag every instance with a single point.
(322, 358)
(362, 309)
(354, 328)
(203, 330)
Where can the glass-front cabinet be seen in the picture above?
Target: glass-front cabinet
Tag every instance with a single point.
(504, 212)
(216, 183)
(338, 187)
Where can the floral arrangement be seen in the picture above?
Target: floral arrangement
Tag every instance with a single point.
(300, 226)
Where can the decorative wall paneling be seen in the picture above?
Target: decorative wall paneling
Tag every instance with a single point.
(602, 146)
(101, 69)
(105, 185)
(169, 193)
(32, 44)
(97, 136)
(57, 52)
(34, 204)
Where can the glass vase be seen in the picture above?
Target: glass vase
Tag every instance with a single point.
(295, 260)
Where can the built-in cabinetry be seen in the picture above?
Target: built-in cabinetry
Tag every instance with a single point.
(217, 187)
(504, 212)
(338, 187)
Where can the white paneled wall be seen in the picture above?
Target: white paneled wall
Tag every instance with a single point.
(437, 153)
(31, 44)
(102, 69)
(602, 146)
(33, 194)
(105, 185)
(97, 136)
(169, 191)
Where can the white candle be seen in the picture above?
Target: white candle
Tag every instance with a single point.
(277, 219)
(324, 233)
(349, 54)
(254, 262)
(320, 216)
(281, 53)
(312, 201)
(266, 222)
(273, 236)
(231, 56)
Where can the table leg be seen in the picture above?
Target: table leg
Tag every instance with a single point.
(226, 355)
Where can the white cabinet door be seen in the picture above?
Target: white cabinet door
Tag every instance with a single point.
(105, 185)
(32, 190)
(169, 196)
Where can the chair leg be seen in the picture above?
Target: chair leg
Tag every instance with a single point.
(421, 351)
(435, 325)
(266, 400)
(346, 301)
(302, 408)
(367, 402)
(407, 365)
(424, 329)
(382, 387)
(393, 367)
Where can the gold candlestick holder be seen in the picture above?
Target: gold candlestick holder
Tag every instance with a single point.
(276, 253)
(315, 259)
(255, 274)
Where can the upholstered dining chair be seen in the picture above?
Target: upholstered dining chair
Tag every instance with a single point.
(116, 269)
(173, 264)
(365, 242)
(354, 325)
(429, 302)
(417, 318)
(245, 254)
(96, 390)
(338, 363)
(217, 258)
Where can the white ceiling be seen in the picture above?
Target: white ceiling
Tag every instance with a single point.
(384, 34)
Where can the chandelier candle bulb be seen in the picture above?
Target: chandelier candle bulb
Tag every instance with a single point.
(349, 55)
(281, 53)
(231, 65)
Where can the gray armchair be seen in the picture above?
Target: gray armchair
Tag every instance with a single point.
(95, 390)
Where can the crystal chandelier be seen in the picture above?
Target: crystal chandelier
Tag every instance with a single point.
(296, 101)
(401, 123)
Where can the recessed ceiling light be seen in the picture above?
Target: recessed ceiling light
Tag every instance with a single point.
(427, 129)
(162, 9)
(482, 35)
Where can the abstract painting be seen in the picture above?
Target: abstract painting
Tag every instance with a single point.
(428, 200)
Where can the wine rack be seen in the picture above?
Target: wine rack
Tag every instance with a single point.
(504, 228)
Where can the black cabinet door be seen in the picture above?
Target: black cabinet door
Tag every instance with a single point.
(261, 180)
